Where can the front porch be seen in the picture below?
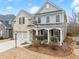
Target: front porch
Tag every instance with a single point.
(47, 34)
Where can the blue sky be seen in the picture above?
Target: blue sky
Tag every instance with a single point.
(14, 6)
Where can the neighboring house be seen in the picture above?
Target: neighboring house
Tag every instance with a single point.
(2, 29)
(9, 29)
(50, 20)
(5, 29)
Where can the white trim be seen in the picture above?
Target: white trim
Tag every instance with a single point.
(48, 2)
(48, 37)
(61, 38)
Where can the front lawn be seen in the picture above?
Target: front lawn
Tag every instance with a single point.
(22, 53)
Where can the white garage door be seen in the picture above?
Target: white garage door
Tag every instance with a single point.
(22, 36)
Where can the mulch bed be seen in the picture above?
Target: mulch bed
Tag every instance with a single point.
(46, 50)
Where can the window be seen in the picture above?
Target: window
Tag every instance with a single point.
(51, 32)
(47, 19)
(34, 18)
(41, 32)
(57, 18)
(39, 20)
(21, 20)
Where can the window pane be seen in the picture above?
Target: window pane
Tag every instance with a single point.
(57, 18)
(47, 19)
(39, 20)
(19, 20)
(23, 20)
(41, 32)
(34, 18)
(51, 32)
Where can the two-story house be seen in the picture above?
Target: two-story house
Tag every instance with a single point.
(50, 20)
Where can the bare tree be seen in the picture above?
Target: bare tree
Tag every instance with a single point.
(74, 17)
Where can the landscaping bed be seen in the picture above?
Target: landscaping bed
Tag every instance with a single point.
(53, 47)
(59, 52)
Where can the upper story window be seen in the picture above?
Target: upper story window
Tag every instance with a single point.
(39, 20)
(21, 20)
(47, 19)
(34, 18)
(57, 18)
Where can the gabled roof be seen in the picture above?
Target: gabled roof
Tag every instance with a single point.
(23, 11)
(6, 23)
(50, 3)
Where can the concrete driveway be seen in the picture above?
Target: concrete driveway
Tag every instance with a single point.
(8, 45)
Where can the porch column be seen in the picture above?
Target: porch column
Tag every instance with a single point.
(61, 37)
(13, 35)
(48, 37)
(37, 32)
(31, 34)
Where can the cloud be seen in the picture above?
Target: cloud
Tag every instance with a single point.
(75, 2)
(9, 7)
(33, 9)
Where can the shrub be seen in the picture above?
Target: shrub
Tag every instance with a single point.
(40, 38)
(36, 41)
(68, 39)
(54, 39)
(69, 34)
(53, 44)
(1, 38)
